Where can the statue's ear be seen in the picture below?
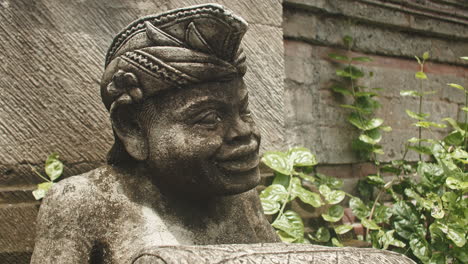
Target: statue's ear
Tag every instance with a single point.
(129, 131)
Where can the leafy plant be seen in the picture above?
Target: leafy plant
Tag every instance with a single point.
(54, 169)
(292, 169)
(429, 211)
(364, 103)
(428, 208)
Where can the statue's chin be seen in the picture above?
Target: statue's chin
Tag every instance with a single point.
(221, 184)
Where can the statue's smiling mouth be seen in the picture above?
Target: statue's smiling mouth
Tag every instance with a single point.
(241, 164)
(239, 159)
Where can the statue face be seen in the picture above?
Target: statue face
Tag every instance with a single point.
(202, 140)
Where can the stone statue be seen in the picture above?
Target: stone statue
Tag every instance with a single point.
(184, 165)
(185, 160)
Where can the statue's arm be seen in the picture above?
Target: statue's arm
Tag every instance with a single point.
(62, 229)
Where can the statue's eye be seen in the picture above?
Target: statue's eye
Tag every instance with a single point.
(211, 118)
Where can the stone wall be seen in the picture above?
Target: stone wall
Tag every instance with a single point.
(53, 52)
(391, 33)
(52, 61)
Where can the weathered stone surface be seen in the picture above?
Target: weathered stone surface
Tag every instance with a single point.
(315, 119)
(442, 19)
(17, 230)
(50, 76)
(268, 254)
(378, 36)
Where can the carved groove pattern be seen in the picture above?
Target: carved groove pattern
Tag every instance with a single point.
(276, 253)
(162, 71)
(157, 20)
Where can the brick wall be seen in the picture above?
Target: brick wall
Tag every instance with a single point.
(391, 33)
(51, 64)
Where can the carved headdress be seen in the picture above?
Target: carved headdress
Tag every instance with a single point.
(173, 49)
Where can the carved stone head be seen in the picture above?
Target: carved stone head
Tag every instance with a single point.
(173, 84)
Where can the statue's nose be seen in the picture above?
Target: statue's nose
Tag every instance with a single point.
(239, 131)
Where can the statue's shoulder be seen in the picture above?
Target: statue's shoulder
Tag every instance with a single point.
(74, 194)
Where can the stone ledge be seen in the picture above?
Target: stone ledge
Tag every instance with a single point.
(452, 23)
(267, 253)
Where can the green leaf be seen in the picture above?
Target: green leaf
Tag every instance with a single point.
(338, 57)
(382, 214)
(363, 123)
(334, 213)
(271, 198)
(322, 235)
(270, 207)
(281, 179)
(454, 85)
(390, 169)
(386, 128)
(427, 124)
(278, 161)
(432, 175)
(336, 242)
(360, 210)
(332, 196)
(419, 200)
(420, 75)
(351, 72)
(455, 138)
(362, 59)
(342, 73)
(375, 180)
(456, 184)
(38, 194)
(454, 232)
(285, 237)
(41, 190)
(414, 140)
(53, 167)
(290, 223)
(410, 93)
(330, 181)
(274, 192)
(341, 90)
(301, 157)
(305, 195)
(464, 58)
(365, 138)
(426, 55)
(420, 116)
(420, 247)
(378, 150)
(406, 220)
(374, 134)
(460, 155)
(387, 239)
(465, 109)
(437, 211)
(342, 229)
(454, 124)
(369, 224)
(307, 177)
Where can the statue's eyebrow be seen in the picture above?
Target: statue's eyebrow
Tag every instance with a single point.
(200, 104)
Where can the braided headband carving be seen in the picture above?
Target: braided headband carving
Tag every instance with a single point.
(173, 49)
